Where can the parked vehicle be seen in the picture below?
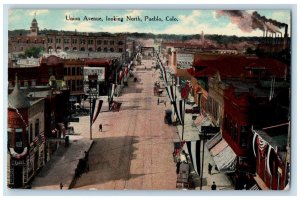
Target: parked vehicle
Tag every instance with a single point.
(70, 130)
(168, 117)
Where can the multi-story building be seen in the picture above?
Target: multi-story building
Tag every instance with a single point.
(67, 41)
(73, 76)
(26, 138)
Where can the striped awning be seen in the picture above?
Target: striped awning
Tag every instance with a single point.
(213, 141)
(254, 187)
(224, 157)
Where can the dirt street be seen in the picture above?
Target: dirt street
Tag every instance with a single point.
(134, 150)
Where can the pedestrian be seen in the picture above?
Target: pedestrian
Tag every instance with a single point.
(165, 103)
(209, 168)
(100, 127)
(177, 167)
(157, 101)
(213, 186)
(61, 185)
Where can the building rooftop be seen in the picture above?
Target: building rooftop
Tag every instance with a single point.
(237, 66)
(17, 99)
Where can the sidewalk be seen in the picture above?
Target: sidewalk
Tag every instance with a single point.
(192, 133)
(61, 167)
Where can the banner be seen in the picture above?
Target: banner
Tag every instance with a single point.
(97, 108)
(194, 152)
(185, 91)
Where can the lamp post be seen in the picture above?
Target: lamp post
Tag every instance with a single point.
(92, 97)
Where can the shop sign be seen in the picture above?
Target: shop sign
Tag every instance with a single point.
(18, 162)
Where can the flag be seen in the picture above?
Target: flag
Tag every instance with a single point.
(97, 108)
(42, 137)
(185, 91)
(182, 110)
(194, 152)
(170, 92)
(116, 106)
(92, 111)
(112, 90)
(36, 139)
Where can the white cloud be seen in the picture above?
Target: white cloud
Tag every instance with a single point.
(38, 12)
(190, 19)
(81, 27)
(230, 29)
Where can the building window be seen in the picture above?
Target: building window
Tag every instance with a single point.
(18, 137)
(58, 40)
(105, 42)
(66, 41)
(105, 49)
(73, 71)
(120, 43)
(82, 41)
(9, 137)
(33, 82)
(82, 49)
(90, 41)
(112, 42)
(30, 134)
(74, 41)
(112, 49)
(120, 50)
(99, 42)
(49, 40)
(235, 133)
(99, 49)
(25, 83)
(65, 71)
(37, 127)
(73, 85)
(244, 136)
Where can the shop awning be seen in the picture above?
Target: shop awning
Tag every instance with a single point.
(213, 141)
(260, 183)
(224, 157)
(202, 121)
(254, 187)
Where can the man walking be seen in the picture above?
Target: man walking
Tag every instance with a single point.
(209, 168)
(100, 127)
(157, 101)
(61, 185)
(213, 186)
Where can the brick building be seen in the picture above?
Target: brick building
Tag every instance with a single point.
(26, 138)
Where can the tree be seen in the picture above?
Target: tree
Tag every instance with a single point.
(34, 52)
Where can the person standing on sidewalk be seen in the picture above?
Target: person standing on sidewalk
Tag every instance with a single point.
(209, 168)
(214, 186)
(100, 127)
(157, 101)
(61, 185)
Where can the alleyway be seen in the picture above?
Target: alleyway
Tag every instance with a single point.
(134, 150)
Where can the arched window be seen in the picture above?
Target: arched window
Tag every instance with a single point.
(99, 49)
(91, 49)
(112, 49)
(105, 49)
(82, 49)
(74, 49)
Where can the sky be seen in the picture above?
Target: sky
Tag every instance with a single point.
(189, 21)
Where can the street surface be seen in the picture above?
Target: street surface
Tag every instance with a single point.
(134, 150)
